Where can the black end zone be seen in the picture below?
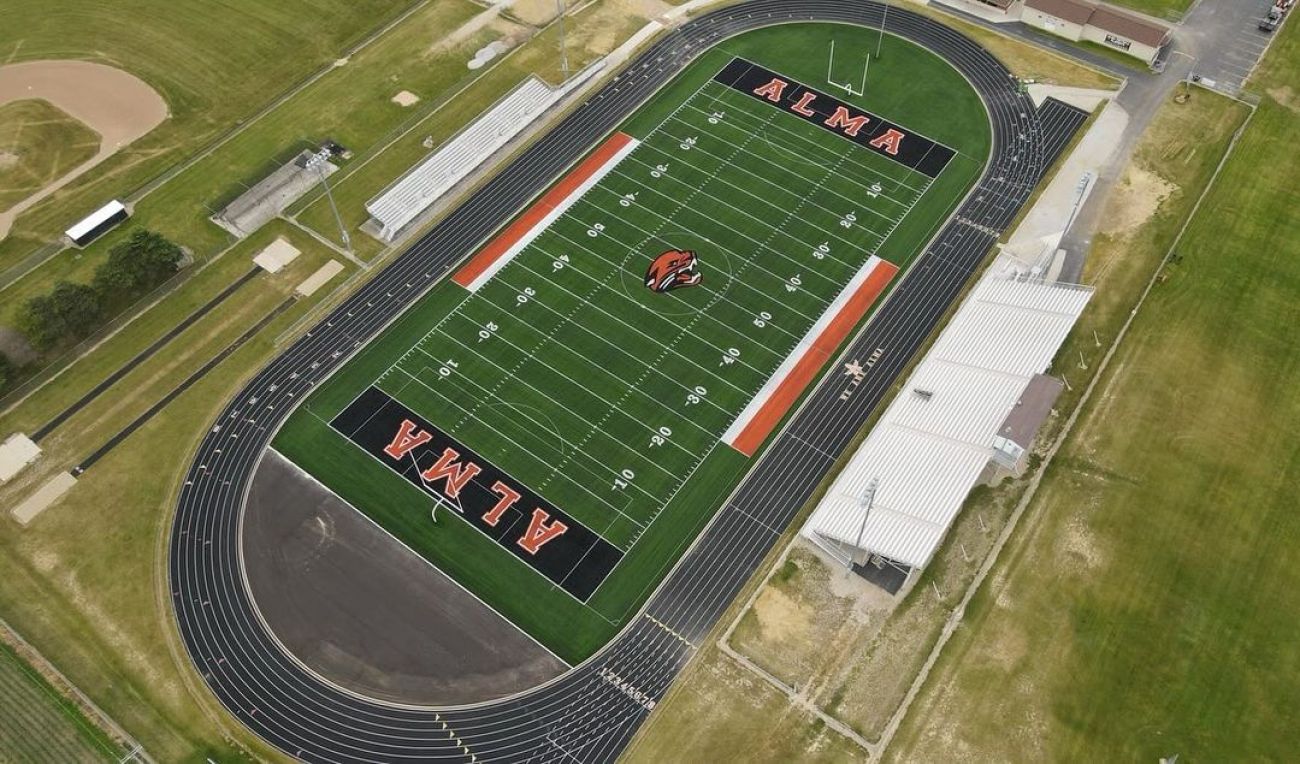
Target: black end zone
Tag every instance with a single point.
(576, 558)
(815, 107)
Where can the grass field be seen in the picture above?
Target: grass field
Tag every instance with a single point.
(38, 143)
(40, 724)
(1167, 521)
(1161, 9)
(609, 400)
(214, 63)
(83, 581)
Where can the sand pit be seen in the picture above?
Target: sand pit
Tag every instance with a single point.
(405, 98)
(119, 106)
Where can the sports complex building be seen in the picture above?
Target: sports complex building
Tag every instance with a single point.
(973, 405)
(492, 503)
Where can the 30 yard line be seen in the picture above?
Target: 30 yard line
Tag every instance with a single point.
(413, 379)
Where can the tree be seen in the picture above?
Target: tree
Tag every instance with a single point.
(69, 311)
(134, 266)
(78, 306)
(40, 322)
(6, 371)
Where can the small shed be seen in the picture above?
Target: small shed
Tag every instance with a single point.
(97, 223)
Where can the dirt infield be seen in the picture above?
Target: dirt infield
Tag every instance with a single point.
(362, 610)
(117, 105)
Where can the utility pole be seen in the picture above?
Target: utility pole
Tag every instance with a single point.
(317, 162)
(564, 47)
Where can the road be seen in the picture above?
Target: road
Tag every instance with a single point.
(590, 713)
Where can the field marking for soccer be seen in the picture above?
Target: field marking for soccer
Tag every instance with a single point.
(418, 363)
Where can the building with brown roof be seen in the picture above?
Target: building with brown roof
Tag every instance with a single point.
(1080, 20)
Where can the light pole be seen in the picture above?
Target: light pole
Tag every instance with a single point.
(881, 40)
(868, 499)
(317, 162)
(1191, 67)
(564, 48)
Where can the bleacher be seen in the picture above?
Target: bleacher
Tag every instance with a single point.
(405, 199)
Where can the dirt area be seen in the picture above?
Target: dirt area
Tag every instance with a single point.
(1134, 200)
(8, 159)
(809, 610)
(489, 23)
(534, 12)
(850, 647)
(613, 21)
(117, 105)
(16, 346)
(1286, 96)
(405, 98)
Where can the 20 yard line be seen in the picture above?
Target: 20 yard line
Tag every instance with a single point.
(542, 462)
(568, 378)
(595, 473)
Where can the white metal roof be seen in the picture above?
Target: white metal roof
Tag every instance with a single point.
(935, 438)
(87, 224)
(404, 200)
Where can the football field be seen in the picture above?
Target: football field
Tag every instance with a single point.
(554, 424)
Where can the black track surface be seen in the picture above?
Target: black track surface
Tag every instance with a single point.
(584, 715)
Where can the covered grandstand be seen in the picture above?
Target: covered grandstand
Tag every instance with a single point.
(903, 487)
(397, 206)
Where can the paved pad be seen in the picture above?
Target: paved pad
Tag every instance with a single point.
(365, 612)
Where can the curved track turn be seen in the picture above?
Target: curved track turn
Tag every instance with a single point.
(590, 713)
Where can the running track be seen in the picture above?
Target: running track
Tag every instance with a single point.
(582, 715)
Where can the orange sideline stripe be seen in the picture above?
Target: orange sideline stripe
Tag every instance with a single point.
(806, 369)
(552, 198)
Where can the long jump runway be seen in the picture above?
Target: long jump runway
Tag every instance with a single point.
(590, 713)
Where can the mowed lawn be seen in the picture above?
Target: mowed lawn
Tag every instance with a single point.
(39, 724)
(1153, 606)
(214, 63)
(563, 369)
(38, 143)
(1161, 9)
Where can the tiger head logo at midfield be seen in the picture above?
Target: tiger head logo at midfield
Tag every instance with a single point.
(672, 269)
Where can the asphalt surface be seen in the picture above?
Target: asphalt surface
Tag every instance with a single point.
(590, 713)
(359, 608)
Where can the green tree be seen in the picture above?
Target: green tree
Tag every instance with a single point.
(6, 371)
(69, 311)
(141, 262)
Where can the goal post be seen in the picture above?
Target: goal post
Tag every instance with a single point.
(848, 86)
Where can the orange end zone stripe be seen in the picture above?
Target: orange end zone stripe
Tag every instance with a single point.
(525, 222)
(806, 369)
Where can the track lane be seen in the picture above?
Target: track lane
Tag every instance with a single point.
(580, 714)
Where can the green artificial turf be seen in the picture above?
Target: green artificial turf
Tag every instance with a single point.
(610, 400)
